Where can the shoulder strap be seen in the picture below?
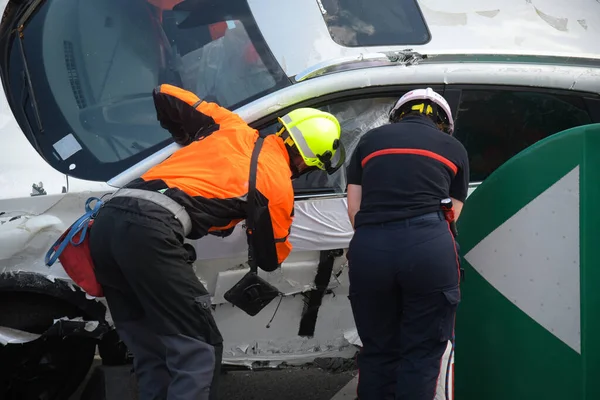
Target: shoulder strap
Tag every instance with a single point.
(252, 201)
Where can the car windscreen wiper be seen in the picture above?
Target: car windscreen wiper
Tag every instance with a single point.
(26, 75)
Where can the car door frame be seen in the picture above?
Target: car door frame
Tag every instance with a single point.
(453, 94)
(382, 78)
(376, 82)
(392, 90)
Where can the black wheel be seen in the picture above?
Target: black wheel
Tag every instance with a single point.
(50, 368)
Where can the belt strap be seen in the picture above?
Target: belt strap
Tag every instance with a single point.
(162, 200)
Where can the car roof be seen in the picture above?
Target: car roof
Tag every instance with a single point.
(297, 34)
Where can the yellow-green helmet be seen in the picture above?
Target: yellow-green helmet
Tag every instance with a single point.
(317, 137)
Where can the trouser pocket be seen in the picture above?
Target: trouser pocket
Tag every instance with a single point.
(209, 330)
(450, 301)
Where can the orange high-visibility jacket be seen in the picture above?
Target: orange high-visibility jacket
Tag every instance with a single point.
(209, 177)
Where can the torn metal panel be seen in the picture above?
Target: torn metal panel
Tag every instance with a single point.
(443, 18)
(400, 58)
(518, 27)
(280, 343)
(77, 327)
(509, 26)
(61, 327)
(488, 14)
(297, 359)
(557, 23)
(31, 235)
(88, 326)
(25, 237)
(15, 336)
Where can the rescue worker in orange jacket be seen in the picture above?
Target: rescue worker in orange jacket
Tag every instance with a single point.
(161, 310)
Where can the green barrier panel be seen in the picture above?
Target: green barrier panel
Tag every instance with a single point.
(528, 326)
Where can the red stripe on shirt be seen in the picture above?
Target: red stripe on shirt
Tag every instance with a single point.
(418, 152)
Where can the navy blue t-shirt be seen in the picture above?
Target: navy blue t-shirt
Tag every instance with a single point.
(405, 169)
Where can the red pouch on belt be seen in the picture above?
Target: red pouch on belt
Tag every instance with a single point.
(448, 210)
(73, 251)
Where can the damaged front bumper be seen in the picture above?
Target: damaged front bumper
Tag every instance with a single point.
(48, 365)
(63, 327)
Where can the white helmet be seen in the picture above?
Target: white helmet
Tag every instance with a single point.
(431, 97)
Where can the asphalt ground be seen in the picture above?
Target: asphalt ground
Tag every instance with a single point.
(321, 380)
(288, 384)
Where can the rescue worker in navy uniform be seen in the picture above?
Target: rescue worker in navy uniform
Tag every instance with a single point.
(403, 261)
(161, 310)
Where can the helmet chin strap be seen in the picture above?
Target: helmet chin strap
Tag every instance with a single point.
(293, 153)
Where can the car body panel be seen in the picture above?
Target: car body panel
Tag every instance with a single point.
(523, 74)
(320, 222)
(530, 27)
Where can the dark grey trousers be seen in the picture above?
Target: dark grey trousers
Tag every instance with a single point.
(171, 367)
(161, 310)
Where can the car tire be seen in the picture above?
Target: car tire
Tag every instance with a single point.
(50, 367)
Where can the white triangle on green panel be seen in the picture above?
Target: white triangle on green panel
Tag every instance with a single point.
(533, 259)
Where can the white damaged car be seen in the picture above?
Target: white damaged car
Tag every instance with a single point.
(77, 120)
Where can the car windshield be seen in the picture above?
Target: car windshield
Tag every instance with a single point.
(93, 65)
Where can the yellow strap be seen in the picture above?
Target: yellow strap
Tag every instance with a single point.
(420, 107)
(288, 139)
(280, 132)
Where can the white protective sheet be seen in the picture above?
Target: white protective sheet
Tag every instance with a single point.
(319, 224)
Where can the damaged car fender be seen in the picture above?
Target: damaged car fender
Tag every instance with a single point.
(27, 229)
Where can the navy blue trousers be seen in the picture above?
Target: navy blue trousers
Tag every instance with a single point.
(404, 291)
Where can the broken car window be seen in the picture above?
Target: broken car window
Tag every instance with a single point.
(356, 117)
(374, 22)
